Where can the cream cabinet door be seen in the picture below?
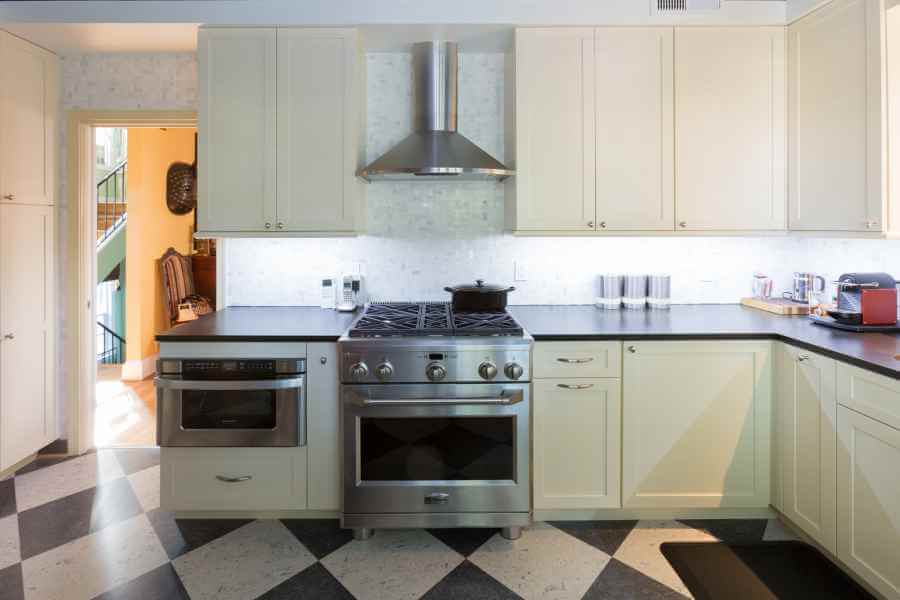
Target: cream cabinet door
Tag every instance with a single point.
(868, 500)
(27, 301)
(806, 395)
(836, 137)
(635, 130)
(29, 106)
(318, 109)
(236, 126)
(554, 114)
(323, 426)
(577, 443)
(730, 128)
(696, 424)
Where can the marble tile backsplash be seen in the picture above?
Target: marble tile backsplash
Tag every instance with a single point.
(422, 236)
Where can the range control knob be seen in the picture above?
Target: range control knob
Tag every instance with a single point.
(487, 370)
(384, 371)
(435, 371)
(513, 370)
(359, 370)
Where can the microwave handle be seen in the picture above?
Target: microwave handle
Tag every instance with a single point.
(504, 399)
(234, 385)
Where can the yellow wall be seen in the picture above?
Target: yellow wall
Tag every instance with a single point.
(152, 229)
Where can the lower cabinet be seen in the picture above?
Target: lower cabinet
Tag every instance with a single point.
(233, 479)
(577, 443)
(868, 500)
(323, 426)
(807, 407)
(696, 424)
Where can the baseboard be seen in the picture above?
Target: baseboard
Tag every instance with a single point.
(137, 370)
(620, 514)
(10, 470)
(59, 446)
(257, 514)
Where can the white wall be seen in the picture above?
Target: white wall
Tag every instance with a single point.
(423, 236)
(798, 8)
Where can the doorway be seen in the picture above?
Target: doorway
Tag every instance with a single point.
(122, 226)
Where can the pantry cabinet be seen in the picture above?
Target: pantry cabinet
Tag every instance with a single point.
(29, 122)
(837, 181)
(577, 443)
(278, 124)
(730, 128)
(680, 401)
(323, 426)
(27, 331)
(868, 499)
(805, 387)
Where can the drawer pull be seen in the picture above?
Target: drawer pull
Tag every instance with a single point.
(578, 386)
(575, 361)
(240, 479)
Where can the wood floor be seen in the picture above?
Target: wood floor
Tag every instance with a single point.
(125, 412)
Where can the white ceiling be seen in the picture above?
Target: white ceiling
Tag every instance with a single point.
(88, 38)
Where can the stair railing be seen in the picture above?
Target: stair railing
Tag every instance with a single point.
(111, 349)
(111, 202)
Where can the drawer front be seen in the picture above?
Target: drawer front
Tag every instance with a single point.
(233, 478)
(869, 393)
(567, 360)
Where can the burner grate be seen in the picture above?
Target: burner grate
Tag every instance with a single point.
(397, 319)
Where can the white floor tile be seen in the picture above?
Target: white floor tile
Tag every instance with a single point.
(640, 550)
(392, 564)
(9, 541)
(145, 485)
(544, 563)
(66, 478)
(95, 563)
(777, 532)
(243, 564)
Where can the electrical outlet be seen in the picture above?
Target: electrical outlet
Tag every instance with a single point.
(520, 271)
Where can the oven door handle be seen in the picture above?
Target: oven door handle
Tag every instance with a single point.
(505, 399)
(238, 385)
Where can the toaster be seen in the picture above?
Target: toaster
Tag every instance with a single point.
(866, 299)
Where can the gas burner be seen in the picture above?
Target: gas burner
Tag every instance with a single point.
(415, 319)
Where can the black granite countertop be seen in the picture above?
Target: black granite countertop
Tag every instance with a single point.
(874, 351)
(877, 352)
(263, 324)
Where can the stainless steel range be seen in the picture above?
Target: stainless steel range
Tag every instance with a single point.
(435, 419)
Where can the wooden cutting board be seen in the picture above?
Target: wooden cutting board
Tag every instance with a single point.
(779, 306)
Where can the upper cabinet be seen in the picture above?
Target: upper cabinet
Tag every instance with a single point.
(730, 128)
(837, 143)
(29, 120)
(278, 126)
(554, 113)
(607, 121)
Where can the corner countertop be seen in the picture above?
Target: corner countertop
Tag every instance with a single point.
(876, 352)
(879, 352)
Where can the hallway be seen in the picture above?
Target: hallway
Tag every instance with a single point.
(125, 410)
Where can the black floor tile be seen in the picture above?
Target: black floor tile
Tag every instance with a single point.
(467, 582)
(7, 497)
(161, 583)
(320, 536)
(60, 521)
(603, 535)
(179, 536)
(464, 541)
(43, 461)
(133, 460)
(11, 587)
(618, 581)
(733, 531)
(314, 582)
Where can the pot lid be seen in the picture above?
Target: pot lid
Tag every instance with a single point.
(479, 287)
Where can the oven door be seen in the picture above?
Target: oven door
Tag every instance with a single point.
(269, 412)
(450, 448)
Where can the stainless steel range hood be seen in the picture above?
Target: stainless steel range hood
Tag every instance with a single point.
(435, 149)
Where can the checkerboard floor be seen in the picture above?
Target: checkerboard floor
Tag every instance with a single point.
(91, 527)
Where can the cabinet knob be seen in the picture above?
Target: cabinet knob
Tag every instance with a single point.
(323, 360)
(590, 224)
(682, 224)
(280, 225)
(268, 226)
(632, 349)
(9, 336)
(9, 196)
(871, 224)
(803, 358)
(602, 224)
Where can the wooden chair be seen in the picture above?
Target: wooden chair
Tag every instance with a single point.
(177, 282)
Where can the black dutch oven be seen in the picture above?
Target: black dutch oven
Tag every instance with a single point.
(480, 297)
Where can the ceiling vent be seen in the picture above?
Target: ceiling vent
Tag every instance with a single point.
(682, 6)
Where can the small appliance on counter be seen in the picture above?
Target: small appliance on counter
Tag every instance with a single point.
(350, 293)
(865, 302)
(804, 285)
